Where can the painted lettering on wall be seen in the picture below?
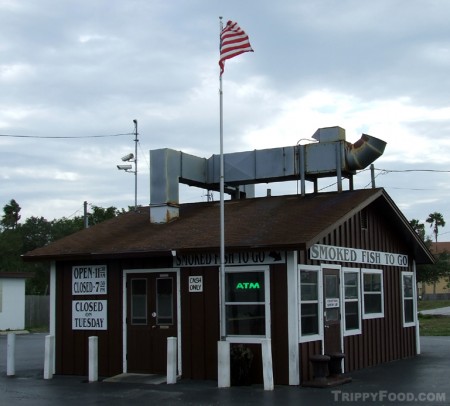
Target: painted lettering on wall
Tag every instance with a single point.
(342, 254)
(89, 315)
(89, 280)
(231, 258)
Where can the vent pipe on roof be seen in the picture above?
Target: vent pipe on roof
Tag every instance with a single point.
(363, 152)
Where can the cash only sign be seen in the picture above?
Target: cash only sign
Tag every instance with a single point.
(89, 314)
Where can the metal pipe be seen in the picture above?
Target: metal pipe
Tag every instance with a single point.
(363, 152)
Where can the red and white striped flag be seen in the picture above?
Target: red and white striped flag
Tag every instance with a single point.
(233, 42)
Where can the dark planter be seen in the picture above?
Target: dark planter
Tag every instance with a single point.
(240, 364)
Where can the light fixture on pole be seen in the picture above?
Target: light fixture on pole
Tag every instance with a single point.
(132, 158)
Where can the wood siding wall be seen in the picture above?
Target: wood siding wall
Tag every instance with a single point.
(199, 317)
(200, 324)
(201, 332)
(71, 346)
(382, 339)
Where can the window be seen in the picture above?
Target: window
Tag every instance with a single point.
(247, 304)
(164, 301)
(1, 297)
(310, 288)
(408, 299)
(139, 301)
(373, 301)
(352, 304)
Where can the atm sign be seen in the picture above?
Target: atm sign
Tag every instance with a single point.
(247, 286)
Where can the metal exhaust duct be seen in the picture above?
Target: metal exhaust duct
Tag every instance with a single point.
(330, 156)
(363, 152)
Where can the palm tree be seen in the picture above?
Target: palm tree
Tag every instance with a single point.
(418, 227)
(11, 215)
(436, 220)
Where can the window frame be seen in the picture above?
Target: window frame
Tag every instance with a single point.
(378, 315)
(411, 274)
(250, 338)
(319, 335)
(351, 332)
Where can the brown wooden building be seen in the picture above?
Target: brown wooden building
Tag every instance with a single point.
(316, 273)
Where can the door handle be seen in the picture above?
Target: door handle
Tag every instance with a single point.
(154, 326)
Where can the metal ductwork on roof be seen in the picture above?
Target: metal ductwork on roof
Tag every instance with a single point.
(330, 156)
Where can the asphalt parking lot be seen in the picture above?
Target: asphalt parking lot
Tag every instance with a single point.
(422, 380)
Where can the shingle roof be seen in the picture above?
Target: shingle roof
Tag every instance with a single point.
(268, 222)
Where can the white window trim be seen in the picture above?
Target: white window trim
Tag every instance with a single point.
(411, 323)
(372, 315)
(351, 332)
(256, 338)
(315, 337)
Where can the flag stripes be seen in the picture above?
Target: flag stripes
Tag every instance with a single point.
(233, 42)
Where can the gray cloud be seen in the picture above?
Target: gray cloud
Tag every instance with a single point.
(83, 68)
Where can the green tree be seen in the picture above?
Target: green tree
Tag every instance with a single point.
(99, 214)
(64, 226)
(35, 232)
(17, 239)
(11, 216)
(10, 251)
(433, 272)
(436, 220)
(418, 227)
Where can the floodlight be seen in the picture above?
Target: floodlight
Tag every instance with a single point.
(124, 167)
(128, 157)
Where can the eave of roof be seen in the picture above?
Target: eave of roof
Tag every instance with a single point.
(278, 222)
(16, 275)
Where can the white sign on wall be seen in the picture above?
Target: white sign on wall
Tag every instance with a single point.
(89, 315)
(89, 280)
(343, 254)
(231, 258)
(196, 283)
(332, 303)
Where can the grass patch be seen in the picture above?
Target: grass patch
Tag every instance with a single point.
(434, 325)
(432, 304)
(40, 329)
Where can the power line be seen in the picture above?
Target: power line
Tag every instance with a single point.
(63, 136)
(412, 170)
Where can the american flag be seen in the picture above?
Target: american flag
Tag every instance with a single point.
(233, 41)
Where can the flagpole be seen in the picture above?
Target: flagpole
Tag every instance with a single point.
(222, 216)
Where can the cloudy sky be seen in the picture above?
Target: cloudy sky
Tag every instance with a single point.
(87, 68)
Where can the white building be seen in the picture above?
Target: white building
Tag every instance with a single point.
(12, 300)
